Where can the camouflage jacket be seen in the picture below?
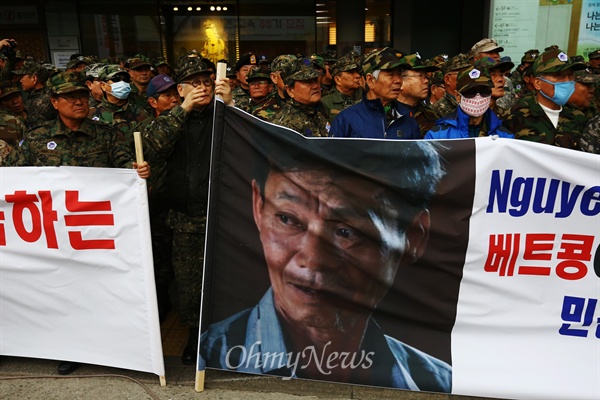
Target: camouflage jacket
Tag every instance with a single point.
(422, 113)
(139, 99)
(444, 106)
(304, 119)
(528, 121)
(336, 101)
(589, 141)
(326, 90)
(12, 128)
(267, 109)
(500, 111)
(122, 117)
(242, 99)
(39, 108)
(94, 144)
(576, 119)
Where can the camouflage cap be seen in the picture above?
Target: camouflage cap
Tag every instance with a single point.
(8, 88)
(438, 60)
(78, 60)
(51, 68)
(586, 77)
(138, 61)
(282, 61)
(456, 63)
(246, 59)
(107, 72)
(28, 68)
(347, 62)
(330, 56)
(258, 73)
(577, 58)
(65, 82)
(594, 55)
(92, 71)
(415, 62)
(161, 61)
(551, 47)
(190, 66)
(473, 77)
(437, 78)
(530, 55)
(488, 64)
(386, 58)
(318, 61)
(301, 70)
(486, 46)
(553, 61)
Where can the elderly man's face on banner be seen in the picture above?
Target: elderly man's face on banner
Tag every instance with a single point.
(332, 245)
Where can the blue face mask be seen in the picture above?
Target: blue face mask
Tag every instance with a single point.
(120, 89)
(562, 91)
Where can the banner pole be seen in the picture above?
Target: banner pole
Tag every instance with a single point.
(163, 380)
(139, 151)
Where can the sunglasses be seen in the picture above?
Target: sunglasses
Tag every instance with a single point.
(119, 78)
(471, 94)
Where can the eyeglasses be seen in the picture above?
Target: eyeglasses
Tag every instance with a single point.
(197, 82)
(256, 83)
(119, 78)
(73, 97)
(483, 93)
(421, 77)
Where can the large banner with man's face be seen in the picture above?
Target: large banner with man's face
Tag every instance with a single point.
(459, 266)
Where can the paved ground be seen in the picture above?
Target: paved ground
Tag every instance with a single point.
(25, 378)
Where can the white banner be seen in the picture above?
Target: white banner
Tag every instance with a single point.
(77, 281)
(527, 323)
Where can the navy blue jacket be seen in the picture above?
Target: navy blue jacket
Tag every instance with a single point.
(367, 120)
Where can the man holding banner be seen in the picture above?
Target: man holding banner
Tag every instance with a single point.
(333, 237)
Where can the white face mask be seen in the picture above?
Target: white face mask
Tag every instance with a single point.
(120, 89)
(475, 106)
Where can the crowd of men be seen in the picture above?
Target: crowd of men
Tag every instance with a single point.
(548, 98)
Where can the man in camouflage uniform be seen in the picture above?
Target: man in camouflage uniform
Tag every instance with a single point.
(414, 92)
(594, 63)
(181, 137)
(162, 66)
(303, 111)
(486, 48)
(517, 75)
(580, 109)
(436, 87)
(263, 100)
(93, 82)
(327, 82)
(496, 71)
(33, 79)
(278, 67)
(78, 63)
(451, 68)
(241, 94)
(539, 118)
(12, 128)
(590, 139)
(140, 71)
(319, 65)
(347, 90)
(11, 99)
(116, 108)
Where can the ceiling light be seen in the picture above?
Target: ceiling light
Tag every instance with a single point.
(175, 8)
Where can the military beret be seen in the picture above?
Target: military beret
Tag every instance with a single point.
(159, 84)
(386, 58)
(8, 87)
(263, 60)
(553, 61)
(107, 72)
(414, 60)
(65, 82)
(28, 68)
(279, 63)
(594, 54)
(488, 64)
(258, 73)
(190, 66)
(530, 55)
(473, 77)
(586, 76)
(486, 46)
(138, 61)
(230, 72)
(347, 62)
(456, 63)
(246, 59)
(301, 70)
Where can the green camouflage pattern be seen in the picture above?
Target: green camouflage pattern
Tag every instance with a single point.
(280, 63)
(8, 88)
(336, 102)
(257, 73)
(576, 119)
(304, 119)
(456, 63)
(425, 117)
(39, 107)
(528, 121)
(586, 76)
(486, 45)
(107, 72)
(438, 60)
(590, 138)
(444, 106)
(158, 61)
(268, 108)
(473, 77)
(92, 71)
(190, 66)
(78, 60)
(530, 55)
(122, 117)
(553, 61)
(28, 68)
(12, 128)
(347, 62)
(66, 82)
(488, 64)
(318, 61)
(94, 144)
(301, 70)
(415, 62)
(330, 56)
(594, 54)
(241, 98)
(138, 60)
(386, 58)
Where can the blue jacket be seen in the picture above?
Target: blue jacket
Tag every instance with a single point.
(456, 126)
(367, 120)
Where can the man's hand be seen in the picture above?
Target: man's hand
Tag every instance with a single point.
(196, 97)
(143, 169)
(7, 42)
(223, 89)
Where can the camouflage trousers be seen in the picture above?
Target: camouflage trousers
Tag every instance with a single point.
(188, 259)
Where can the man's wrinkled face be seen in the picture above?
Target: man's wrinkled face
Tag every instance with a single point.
(583, 95)
(332, 245)
(13, 103)
(141, 75)
(72, 105)
(165, 100)
(260, 88)
(498, 79)
(387, 85)
(305, 91)
(348, 81)
(28, 82)
(242, 73)
(415, 85)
